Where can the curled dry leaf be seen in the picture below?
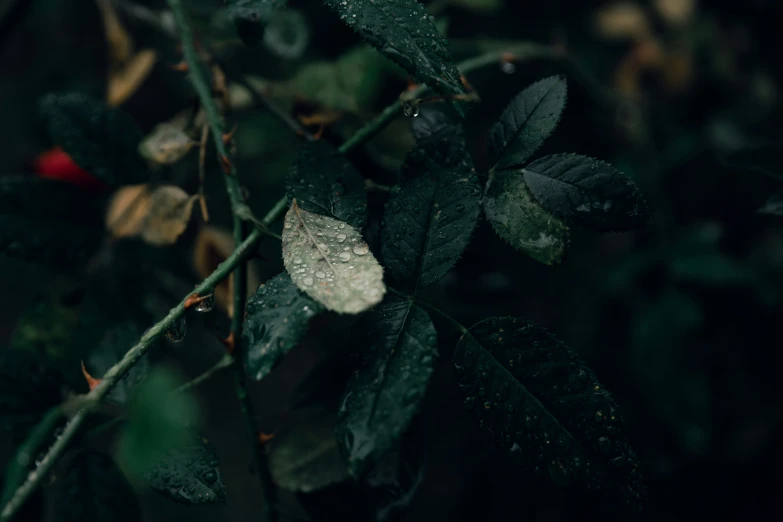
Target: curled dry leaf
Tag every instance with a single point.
(329, 261)
(166, 144)
(211, 248)
(159, 216)
(126, 80)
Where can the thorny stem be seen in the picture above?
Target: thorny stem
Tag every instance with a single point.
(216, 124)
(242, 252)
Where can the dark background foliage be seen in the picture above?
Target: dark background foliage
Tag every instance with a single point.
(680, 320)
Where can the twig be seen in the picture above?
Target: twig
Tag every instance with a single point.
(202, 158)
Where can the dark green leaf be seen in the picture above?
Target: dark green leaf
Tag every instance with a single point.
(431, 123)
(526, 122)
(251, 16)
(522, 222)
(28, 389)
(399, 341)
(303, 456)
(586, 192)
(188, 474)
(277, 318)
(158, 422)
(116, 339)
(92, 488)
(324, 182)
(48, 221)
(404, 32)
(102, 140)
(764, 158)
(546, 408)
(773, 206)
(395, 480)
(430, 217)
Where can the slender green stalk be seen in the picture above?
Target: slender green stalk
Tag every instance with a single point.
(224, 362)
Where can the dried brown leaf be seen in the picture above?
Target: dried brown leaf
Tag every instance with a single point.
(166, 144)
(126, 79)
(159, 216)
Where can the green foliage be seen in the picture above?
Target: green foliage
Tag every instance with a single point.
(277, 318)
(324, 182)
(158, 422)
(116, 339)
(404, 32)
(250, 17)
(329, 261)
(303, 456)
(545, 408)
(586, 192)
(430, 216)
(48, 221)
(92, 488)
(188, 474)
(385, 393)
(522, 222)
(102, 140)
(528, 120)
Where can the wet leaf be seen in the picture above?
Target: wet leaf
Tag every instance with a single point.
(404, 32)
(166, 144)
(158, 422)
(522, 222)
(586, 192)
(157, 215)
(526, 122)
(431, 123)
(430, 217)
(277, 318)
(323, 181)
(382, 397)
(329, 261)
(773, 205)
(546, 408)
(303, 456)
(101, 140)
(92, 488)
(188, 474)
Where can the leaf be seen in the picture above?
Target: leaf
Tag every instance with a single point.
(166, 144)
(383, 396)
(526, 122)
(158, 420)
(773, 206)
(430, 217)
(159, 216)
(48, 221)
(586, 192)
(92, 488)
(323, 181)
(250, 16)
(28, 389)
(124, 81)
(431, 124)
(542, 405)
(393, 483)
(101, 140)
(188, 474)
(303, 456)
(404, 32)
(277, 318)
(329, 261)
(522, 222)
(352, 83)
(116, 339)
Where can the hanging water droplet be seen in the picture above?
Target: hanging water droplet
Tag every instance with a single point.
(207, 304)
(508, 67)
(410, 108)
(210, 477)
(176, 332)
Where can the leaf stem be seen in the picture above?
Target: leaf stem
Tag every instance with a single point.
(429, 307)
